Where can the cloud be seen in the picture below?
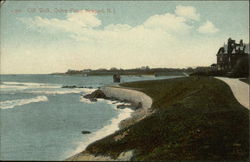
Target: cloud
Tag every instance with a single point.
(81, 26)
(118, 27)
(74, 22)
(159, 41)
(167, 22)
(84, 20)
(188, 12)
(207, 27)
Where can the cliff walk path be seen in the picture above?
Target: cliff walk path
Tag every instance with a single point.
(240, 90)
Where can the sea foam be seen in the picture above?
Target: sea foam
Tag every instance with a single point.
(16, 86)
(19, 102)
(25, 83)
(61, 91)
(103, 132)
(85, 100)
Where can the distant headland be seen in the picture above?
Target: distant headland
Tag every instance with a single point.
(144, 70)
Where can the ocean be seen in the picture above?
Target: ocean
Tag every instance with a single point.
(40, 120)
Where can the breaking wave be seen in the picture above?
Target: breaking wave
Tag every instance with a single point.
(19, 102)
(13, 86)
(103, 132)
(54, 92)
(25, 83)
(62, 91)
(85, 100)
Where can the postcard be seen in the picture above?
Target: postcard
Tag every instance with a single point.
(124, 80)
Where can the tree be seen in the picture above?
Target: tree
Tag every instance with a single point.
(113, 69)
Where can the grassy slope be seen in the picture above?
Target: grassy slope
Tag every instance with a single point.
(197, 118)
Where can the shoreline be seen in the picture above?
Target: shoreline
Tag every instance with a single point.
(186, 113)
(106, 130)
(120, 94)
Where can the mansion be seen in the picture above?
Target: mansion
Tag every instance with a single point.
(230, 53)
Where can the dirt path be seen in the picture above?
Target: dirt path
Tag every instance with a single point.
(240, 90)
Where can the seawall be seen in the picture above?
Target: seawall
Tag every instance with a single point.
(130, 95)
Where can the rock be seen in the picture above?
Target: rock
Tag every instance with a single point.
(121, 106)
(113, 99)
(93, 99)
(86, 132)
(94, 95)
(68, 86)
(72, 86)
(124, 100)
(128, 105)
(139, 105)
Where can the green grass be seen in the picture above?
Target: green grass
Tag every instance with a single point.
(246, 80)
(196, 118)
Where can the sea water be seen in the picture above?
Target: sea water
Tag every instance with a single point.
(40, 120)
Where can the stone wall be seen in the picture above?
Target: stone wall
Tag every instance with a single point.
(130, 95)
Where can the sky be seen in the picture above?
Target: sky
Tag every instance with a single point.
(40, 37)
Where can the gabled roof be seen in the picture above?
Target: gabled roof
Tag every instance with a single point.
(247, 49)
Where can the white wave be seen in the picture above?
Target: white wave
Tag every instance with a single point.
(114, 103)
(43, 85)
(87, 90)
(85, 100)
(103, 132)
(62, 91)
(24, 83)
(42, 88)
(53, 92)
(11, 87)
(105, 101)
(19, 102)
(11, 83)
(49, 86)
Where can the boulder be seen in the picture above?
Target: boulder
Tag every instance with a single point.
(86, 132)
(93, 99)
(129, 105)
(139, 105)
(69, 86)
(121, 106)
(73, 86)
(96, 94)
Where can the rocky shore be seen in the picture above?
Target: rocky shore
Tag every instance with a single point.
(137, 100)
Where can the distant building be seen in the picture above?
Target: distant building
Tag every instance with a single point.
(228, 55)
(144, 68)
(213, 67)
(86, 70)
(116, 78)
